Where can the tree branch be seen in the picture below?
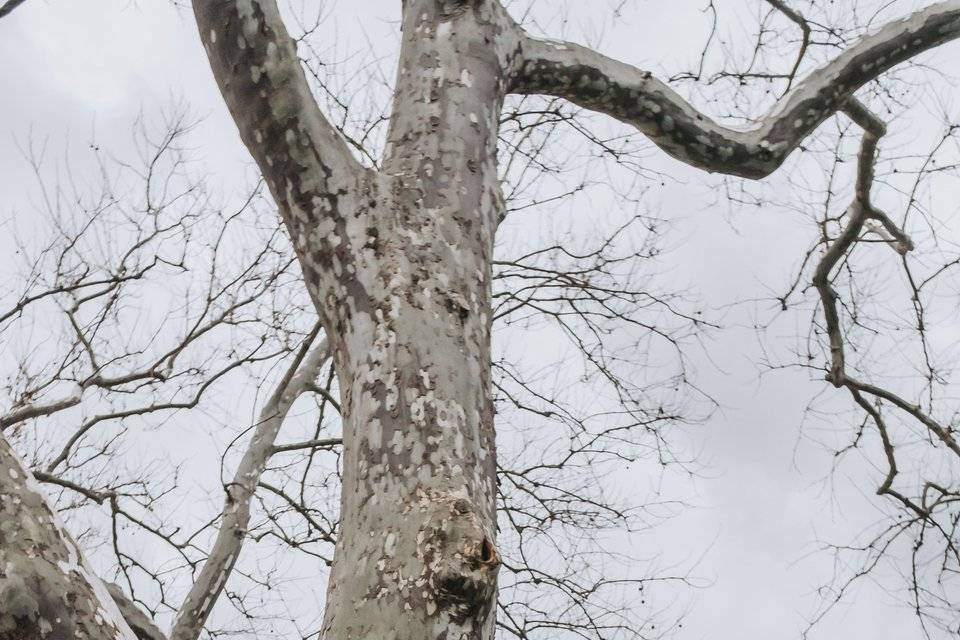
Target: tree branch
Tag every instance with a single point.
(634, 96)
(305, 161)
(797, 19)
(223, 555)
(325, 443)
(861, 211)
(141, 624)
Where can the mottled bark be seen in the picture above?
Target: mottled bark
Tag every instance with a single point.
(304, 160)
(47, 590)
(636, 97)
(235, 517)
(414, 363)
(398, 263)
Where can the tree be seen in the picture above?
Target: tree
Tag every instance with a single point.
(126, 336)
(398, 262)
(104, 362)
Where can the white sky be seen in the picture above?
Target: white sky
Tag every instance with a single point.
(80, 70)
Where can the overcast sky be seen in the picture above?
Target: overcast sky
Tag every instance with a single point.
(83, 71)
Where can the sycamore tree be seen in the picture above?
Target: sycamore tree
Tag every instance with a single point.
(396, 246)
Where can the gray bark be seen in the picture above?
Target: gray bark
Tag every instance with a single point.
(638, 98)
(419, 459)
(399, 264)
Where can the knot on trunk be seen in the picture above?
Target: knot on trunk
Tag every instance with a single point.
(458, 549)
(452, 8)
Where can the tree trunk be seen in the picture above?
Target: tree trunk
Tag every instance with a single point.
(398, 263)
(416, 557)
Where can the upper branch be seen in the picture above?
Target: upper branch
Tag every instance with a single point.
(7, 7)
(636, 97)
(304, 159)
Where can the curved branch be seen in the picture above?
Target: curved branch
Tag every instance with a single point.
(634, 96)
(7, 7)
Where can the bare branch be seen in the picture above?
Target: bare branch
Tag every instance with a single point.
(305, 160)
(9, 6)
(141, 624)
(797, 19)
(324, 443)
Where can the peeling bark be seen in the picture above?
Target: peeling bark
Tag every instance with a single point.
(304, 160)
(47, 590)
(413, 357)
(399, 265)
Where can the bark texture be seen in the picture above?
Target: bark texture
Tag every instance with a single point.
(414, 364)
(47, 590)
(636, 97)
